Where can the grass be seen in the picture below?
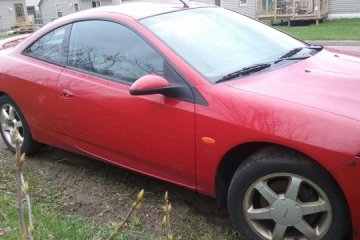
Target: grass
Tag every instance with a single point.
(51, 224)
(3, 36)
(343, 29)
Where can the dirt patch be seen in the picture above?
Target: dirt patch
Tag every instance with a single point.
(102, 194)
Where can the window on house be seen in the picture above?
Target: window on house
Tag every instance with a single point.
(31, 10)
(243, 2)
(76, 7)
(58, 10)
(96, 4)
(19, 10)
(110, 50)
(218, 2)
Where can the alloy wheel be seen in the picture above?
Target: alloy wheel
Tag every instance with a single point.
(287, 206)
(10, 120)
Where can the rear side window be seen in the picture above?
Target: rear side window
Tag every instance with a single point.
(50, 47)
(111, 50)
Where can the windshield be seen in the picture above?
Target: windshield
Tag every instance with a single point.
(217, 42)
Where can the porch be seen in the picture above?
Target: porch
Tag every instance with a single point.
(292, 10)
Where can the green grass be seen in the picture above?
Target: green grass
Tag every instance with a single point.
(3, 36)
(49, 222)
(343, 29)
(48, 225)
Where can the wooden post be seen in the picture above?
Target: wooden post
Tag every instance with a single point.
(326, 9)
(267, 7)
(318, 12)
(293, 9)
(275, 8)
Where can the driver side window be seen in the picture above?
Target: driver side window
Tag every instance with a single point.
(112, 51)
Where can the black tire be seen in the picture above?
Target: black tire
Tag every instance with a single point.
(29, 145)
(267, 166)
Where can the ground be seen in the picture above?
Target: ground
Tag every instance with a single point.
(101, 194)
(343, 29)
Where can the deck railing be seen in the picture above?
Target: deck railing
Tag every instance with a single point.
(292, 9)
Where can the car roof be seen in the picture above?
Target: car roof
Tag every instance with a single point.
(139, 10)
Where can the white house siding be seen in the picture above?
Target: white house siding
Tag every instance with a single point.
(204, 1)
(344, 8)
(48, 9)
(7, 13)
(248, 9)
(86, 4)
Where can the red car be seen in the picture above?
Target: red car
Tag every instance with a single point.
(201, 97)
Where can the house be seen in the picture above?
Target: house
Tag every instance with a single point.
(254, 8)
(33, 12)
(344, 9)
(52, 9)
(12, 12)
(258, 9)
(246, 7)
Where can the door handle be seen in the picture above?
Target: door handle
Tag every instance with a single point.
(67, 94)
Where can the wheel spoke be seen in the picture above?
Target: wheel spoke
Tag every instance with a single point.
(18, 124)
(314, 207)
(266, 192)
(5, 127)
(11, 113)
(259, 214)
(306, 229)
(293, 188)
(4, 114)
(279, 232)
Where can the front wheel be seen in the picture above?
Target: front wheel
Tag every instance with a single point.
(278, 194)
(11, 118)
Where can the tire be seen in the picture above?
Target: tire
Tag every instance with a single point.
(278, 194)
(11, 117)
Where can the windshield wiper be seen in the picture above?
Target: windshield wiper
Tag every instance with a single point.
(245, 71)
(292, 58)
(315, 47)
(289, 55)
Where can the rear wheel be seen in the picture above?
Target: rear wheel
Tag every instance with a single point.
(11, 118)
(283, 195)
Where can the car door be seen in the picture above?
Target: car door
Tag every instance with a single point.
(38, 68)
(152, 134)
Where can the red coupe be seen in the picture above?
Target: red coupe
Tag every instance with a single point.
(202, 97)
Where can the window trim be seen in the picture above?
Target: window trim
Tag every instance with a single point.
(78, 7)
(58, 9)
(243, 4)
(96, 5)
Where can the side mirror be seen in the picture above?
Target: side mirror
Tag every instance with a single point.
(149, 84)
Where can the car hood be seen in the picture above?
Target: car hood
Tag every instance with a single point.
(329, 81)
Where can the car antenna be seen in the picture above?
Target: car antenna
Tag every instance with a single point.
(185, 4)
